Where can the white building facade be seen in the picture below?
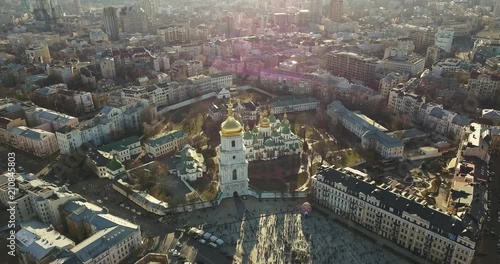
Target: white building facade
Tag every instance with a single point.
(233, 165)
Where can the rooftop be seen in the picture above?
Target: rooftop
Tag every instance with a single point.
(165, 138)
(397, 204)
(120, 145)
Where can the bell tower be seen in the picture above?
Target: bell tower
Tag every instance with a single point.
(233, 165)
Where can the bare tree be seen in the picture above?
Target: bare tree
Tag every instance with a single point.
(321, 148)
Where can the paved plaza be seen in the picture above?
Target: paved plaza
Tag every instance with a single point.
(275, 232)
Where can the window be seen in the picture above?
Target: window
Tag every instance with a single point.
(235, 177)
(234, 157)
(233, 143)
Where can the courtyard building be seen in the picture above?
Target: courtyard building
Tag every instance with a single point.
(371, 136)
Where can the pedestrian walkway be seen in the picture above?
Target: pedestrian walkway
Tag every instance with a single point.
(275, 232)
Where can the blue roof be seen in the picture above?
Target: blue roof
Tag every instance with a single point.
(108, 230)
(369, 130)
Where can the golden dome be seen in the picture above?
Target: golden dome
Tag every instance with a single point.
(231, 127)
(264, 121)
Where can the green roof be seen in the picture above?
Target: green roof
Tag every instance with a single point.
(120, 145)
(293, 100)
(114, 165)
(272, 118)
(285, 130)
(275, 133)
(269, 143)
(247, 135)
(165, 138)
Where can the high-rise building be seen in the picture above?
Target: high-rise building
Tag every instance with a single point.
(317, 10)
(496, 10)
(26, 6)
(352, 66)
(134, 20)
(233, 165)
(150, 7)
(444, 39)
(43, 10)
(336, 10)
(111, 25)
(77, 5)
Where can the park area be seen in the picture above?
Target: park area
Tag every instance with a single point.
(283, 174)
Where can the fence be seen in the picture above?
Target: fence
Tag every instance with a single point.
(186, 103)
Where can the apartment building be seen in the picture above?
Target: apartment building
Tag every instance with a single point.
(477, 141)
(448, 65)
(172, 34)
(372, 136)
(398, 216)
(352, 66)
(104, 166)
(123, 149)
(165, 143)
(484, 86)
(107, 66)
(104, 238)
(32, 140)
(36, 198)
(36, 116)
(441, 121)
(404, 103)
(134, 20)
(6, 124)
(487, 114)
(397, 59)
(199, 85)
(83, 100)
(109, 123)
(38, 243)
(390, 81)
(221, 80)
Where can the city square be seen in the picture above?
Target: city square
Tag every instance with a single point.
(271, 231)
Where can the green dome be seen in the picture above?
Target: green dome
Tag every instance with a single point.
(255, 129)
(269, 143)
(260, 136)
(285, 130)
(247, 135)
(275, 133)
(272, 118)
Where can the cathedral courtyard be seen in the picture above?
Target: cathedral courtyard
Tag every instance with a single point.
(275, 175)
(271, 231)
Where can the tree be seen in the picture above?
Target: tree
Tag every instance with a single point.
(321, 148)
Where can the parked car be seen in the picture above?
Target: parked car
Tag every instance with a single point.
(202, 241)
(212, 244)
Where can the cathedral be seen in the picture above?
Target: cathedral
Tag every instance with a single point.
(270, 139)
